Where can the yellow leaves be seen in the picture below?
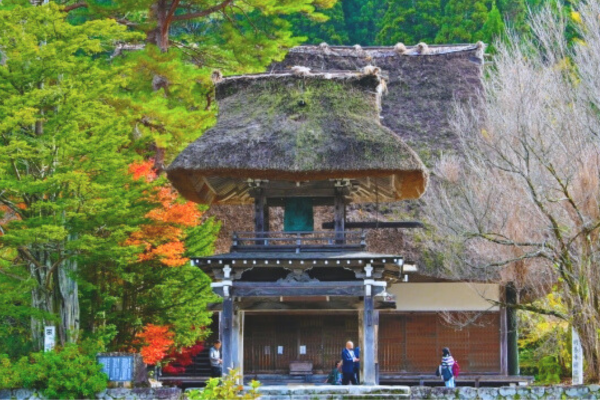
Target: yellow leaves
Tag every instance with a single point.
(576, 17)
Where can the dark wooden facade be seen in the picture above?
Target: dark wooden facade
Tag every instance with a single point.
(408, 343)
(323, 335)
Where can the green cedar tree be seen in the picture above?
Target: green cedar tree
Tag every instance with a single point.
(410, 22)
(63, 161)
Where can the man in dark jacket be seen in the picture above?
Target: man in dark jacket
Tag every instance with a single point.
(348, 359)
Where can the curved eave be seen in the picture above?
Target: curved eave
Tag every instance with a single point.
(231, 187)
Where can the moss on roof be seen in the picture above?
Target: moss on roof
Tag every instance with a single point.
(299, 127)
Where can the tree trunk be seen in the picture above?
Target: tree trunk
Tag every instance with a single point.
(590, 342)
(55, 294)
(160, 35)
(41, 299)
(67, 294)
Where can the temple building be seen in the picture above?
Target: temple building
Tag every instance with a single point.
(297, 148)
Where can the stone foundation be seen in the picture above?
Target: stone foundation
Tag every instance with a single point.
(310, 392)
(591, 392)
(108, 394)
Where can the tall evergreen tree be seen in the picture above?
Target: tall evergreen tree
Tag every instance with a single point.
(333, 31)
(363, 20)
(410, 22)
(172, 97)
(514, 12)
(463, 20)
(63, 162)
(493, 27)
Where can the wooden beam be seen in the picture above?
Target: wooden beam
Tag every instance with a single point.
(273, 303)
(260, 204)
(375, 225)
(273, 289)
(339, 216)
(317, 201)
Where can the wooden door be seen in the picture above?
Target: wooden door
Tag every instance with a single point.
(323, 337)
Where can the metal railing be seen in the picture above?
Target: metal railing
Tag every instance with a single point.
(299, 241)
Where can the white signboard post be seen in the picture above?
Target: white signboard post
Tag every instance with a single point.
(49, 338)
(577, 358)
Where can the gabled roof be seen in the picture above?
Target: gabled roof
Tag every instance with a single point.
(299, 126)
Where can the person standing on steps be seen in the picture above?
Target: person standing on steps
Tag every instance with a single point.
(348, 359)
(445, 369)
(216, 363)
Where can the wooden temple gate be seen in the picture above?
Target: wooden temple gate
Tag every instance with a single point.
(301, 293)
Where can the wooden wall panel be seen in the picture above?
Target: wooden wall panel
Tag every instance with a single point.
(412, 343)
(484, 342)
(420, 342)
(408, 343)
(323, 335)
(392, 344)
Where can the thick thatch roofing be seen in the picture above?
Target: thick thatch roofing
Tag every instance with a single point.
(298, 126)
(423, 84)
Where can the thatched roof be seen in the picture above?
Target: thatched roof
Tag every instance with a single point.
(423, 84)
(298, 127)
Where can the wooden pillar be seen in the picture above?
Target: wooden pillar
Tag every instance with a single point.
(361, 341)
(503, 342)
(339, 215)
(376, 343)
(226, 333)
(512, 333)
(237, 343)
(367, 356)
(261, 212)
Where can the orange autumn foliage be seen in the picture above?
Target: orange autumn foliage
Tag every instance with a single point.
(157, 341)
(7, 215)
(162, 240)
(143, 170)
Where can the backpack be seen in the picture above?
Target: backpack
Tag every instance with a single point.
(455, 369)
(446, 373)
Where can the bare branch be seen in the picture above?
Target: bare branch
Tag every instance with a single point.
(81, 4)
(203, 13)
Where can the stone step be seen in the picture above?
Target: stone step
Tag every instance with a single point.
(335, 397)
(329, 392)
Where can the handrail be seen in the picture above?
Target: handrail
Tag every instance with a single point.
(299, 241)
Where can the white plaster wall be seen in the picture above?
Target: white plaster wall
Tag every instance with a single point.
(445, 296)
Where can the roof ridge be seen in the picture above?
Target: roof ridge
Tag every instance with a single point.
(306, 72)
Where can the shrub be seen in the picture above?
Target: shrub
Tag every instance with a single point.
(549, 370)
(225, 388)
(66, 373)
(9, 376)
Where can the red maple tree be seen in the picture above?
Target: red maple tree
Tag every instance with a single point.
(157, 342)
(182, 359)
(162, 240)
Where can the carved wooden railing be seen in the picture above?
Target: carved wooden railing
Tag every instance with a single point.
(299, 241)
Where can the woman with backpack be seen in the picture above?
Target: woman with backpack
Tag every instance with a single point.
(448, 368)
